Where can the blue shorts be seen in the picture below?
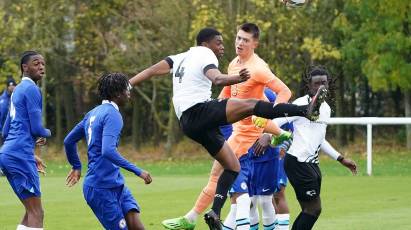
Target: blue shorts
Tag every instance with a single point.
(263, 179)
(241, 184)
(22, 175)
(282, 176)
(110, 205)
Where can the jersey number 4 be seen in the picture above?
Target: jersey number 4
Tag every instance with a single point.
(180, 72)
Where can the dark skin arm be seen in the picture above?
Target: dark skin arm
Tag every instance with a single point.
(261, 144)
(220, 79)
(350, 164)
(160, 68)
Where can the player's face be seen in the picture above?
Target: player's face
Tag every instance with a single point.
(124, 97)
(35, 67)
(245, 43)
(217, 46)
(316, 82)
(11, 88)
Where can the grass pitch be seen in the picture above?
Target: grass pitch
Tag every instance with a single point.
(349, 202)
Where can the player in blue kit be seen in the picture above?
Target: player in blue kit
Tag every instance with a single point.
(266, 181)
(22, 127)
(104, 189)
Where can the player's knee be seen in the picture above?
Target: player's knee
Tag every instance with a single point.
(314, 210)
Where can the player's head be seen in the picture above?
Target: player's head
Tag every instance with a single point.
(32, 65)
(114, 87)
(10, 84)
(212, 39)
(315, 77)
(247, 38)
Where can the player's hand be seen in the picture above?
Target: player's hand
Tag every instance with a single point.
(244, 75)
(261, 144)
(146, 177)
(41, 141)
(259, 121)
(73, 177)
(350, 164)
(284, 147)
(41, 167)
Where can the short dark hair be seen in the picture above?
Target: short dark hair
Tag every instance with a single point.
(250, 28)
(25, 57)
(206, 34)
(110, 85)
(317, 70)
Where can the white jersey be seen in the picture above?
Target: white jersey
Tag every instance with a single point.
(190, 85)
(308, 136)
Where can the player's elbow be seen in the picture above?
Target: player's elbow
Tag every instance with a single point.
(287, 93)
(107, 152)
(284, 95)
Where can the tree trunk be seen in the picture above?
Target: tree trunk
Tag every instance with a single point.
(171, 127)
(340, 129)
(43, 149)
(59, 128)
(135, 132)
(407, 101)
(68, 99)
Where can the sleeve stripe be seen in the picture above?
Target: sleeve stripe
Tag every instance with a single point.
(208, 67)
(169, 61)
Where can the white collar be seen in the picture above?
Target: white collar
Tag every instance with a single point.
(28, 79)
(110, 102)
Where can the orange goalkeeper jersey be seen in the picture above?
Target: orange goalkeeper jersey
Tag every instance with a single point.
(244, 132)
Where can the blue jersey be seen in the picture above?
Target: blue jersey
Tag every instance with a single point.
(4, 107)
(23, 123)
(101, 127)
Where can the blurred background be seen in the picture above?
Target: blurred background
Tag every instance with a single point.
(365, 44)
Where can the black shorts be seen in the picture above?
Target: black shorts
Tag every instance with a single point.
(201, 123)
(304, 177)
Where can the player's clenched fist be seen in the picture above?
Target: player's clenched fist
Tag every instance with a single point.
(146, 177)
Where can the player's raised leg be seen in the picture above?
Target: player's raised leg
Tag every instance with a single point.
(238, 109)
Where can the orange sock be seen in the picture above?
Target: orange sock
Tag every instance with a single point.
(206, 196)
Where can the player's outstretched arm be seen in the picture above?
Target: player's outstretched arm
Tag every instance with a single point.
(160, 68)
(217, 78)
(330, 151)
(109, 151)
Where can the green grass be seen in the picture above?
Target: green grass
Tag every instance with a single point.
(361, 202)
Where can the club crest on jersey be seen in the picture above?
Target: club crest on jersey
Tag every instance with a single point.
(244, 185)
(122, 224)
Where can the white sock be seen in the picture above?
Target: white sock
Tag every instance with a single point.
(268, 211)
(242, 217)
(283, 221)
(191, 216)
(229, 222)
(22, 227)
(254, 217)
